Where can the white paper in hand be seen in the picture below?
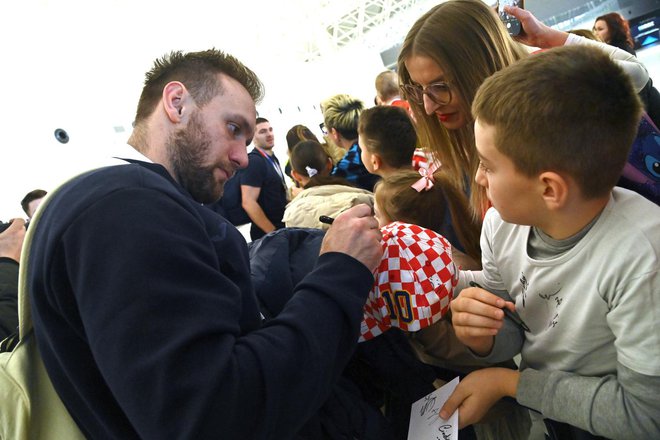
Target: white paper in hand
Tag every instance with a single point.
(426, 424)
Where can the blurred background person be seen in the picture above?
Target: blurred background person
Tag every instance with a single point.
(322, 193)
(613, 29)
(388, 91)
(341, 114)
(32, 200)
(263, 188)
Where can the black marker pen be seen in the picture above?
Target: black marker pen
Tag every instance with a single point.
(325, 219)
(513, 316)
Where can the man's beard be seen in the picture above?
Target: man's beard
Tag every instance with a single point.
(188, 149)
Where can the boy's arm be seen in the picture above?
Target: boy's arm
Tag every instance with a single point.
(509, 337)
(476, 314)
(621, 406)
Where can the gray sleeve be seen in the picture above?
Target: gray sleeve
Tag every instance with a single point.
(621, 406)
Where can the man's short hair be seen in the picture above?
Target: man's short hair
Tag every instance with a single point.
(570, 109)
(387, 85)
(31, 196)
(198, 71)
(388, 132)
(260, 120)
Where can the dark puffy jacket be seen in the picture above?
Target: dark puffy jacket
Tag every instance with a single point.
(382, 372)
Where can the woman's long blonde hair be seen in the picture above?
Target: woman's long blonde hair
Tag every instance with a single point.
(469, 43)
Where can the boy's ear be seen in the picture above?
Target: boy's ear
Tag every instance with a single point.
(555, 189)
(376, 162)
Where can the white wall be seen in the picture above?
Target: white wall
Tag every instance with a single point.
(79, 66)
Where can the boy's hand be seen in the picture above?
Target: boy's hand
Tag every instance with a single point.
(478, 392)
(355, 232)
(477, 316)
(535, 33)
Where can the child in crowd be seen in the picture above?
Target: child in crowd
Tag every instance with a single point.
(296, 134)
(576, 257)
(387, 138)
(322, 193)
(431, 201)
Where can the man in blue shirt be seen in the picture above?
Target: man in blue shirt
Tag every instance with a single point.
(263, 188)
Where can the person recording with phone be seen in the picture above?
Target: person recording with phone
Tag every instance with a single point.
(511, 23)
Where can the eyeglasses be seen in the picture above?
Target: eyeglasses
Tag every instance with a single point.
(323, 130)
(439, 92)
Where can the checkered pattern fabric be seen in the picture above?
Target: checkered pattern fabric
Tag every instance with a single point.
(414, 282)
(421, 159)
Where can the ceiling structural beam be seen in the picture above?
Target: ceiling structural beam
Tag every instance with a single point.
(365, 19)
(366, 16)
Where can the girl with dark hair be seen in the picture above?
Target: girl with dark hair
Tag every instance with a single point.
(430, 201)
(322, 193)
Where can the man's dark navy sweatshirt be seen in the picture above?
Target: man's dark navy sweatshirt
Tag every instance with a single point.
(148, 325)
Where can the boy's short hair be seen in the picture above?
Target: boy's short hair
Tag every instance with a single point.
(571, 110)
(388, 132)
(387, 85)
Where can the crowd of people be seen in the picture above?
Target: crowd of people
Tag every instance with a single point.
(155, 318)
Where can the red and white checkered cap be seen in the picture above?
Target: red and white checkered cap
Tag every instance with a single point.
(414, 282)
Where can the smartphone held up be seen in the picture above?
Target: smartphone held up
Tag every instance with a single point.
(511, 23)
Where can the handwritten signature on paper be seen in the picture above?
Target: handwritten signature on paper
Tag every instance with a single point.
(426, 423)
(432, 413)
(445, 432)
(433, 417)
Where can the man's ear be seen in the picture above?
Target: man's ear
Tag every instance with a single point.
(555, 189)
(174, 94)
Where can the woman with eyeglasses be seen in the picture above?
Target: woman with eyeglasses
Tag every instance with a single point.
(446, 56)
